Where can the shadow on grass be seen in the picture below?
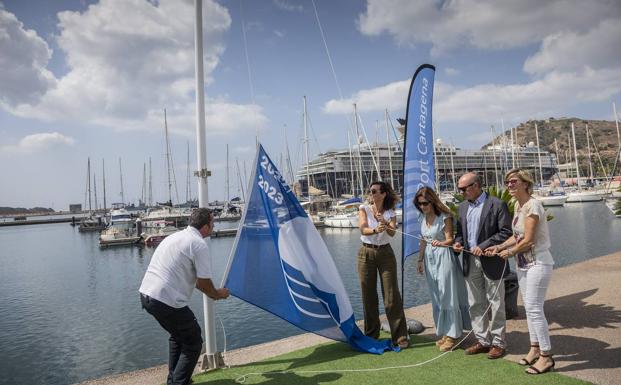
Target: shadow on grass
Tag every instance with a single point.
(276, 378)
(573, 312)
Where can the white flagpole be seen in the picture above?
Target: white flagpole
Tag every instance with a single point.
(211, 358)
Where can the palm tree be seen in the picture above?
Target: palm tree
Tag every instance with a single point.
(500, 193)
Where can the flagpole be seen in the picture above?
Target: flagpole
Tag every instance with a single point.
(211, 359)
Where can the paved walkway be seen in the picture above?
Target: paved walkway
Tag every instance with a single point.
(583, 309)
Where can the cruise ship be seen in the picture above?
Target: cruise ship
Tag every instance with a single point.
(337, 172)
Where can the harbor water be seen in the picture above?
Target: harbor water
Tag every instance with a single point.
(70, 311)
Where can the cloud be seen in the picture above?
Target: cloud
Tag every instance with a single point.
(485, 24)
(568, 50)
(23, 74)
(39, 142)
(451, 71)
(549, 96)
(286, 6)
(377, 99)
(129, 59)
(279, 34)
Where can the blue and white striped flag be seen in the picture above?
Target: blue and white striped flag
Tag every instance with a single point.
(280, 264)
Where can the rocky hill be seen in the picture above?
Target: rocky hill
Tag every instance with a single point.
(24, 211)
(603, 140)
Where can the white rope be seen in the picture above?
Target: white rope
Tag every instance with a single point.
(242, 378)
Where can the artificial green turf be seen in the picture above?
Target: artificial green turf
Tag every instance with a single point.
(452, 368)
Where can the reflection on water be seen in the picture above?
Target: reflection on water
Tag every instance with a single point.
(70, 311)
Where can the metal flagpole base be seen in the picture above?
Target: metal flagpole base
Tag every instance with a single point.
(211, 361)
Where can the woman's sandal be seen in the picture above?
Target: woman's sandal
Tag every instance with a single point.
(548, 368)
(449, 344)
(524, 361)
(440, 341)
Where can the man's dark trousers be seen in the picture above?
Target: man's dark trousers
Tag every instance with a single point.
(185, 342)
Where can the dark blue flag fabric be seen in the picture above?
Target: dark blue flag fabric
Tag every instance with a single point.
(280, 263)
(418, 161)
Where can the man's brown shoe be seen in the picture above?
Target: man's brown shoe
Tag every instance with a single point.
(495, 352)
(477, 348)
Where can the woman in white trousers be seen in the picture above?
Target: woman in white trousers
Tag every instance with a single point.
(530, 245)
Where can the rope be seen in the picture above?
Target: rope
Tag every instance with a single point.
(241, 379)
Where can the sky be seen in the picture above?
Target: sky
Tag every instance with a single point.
(83, 78)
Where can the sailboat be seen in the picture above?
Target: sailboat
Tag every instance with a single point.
(580, 195)
(346, 213)
(166, 211)
(90, 223)
(546, 197)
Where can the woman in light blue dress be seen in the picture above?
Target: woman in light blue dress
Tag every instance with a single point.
(445, 279)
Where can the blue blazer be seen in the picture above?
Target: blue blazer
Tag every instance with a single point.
(494, 229)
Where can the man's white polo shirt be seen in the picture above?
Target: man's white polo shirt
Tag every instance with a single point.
(178, 261)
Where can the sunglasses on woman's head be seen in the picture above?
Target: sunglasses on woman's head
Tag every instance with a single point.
(424, 203)
(373, 191)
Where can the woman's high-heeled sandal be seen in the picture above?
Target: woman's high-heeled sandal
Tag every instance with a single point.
(548, 368)
(524, 361)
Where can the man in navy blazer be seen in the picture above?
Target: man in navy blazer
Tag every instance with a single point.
(484, 221)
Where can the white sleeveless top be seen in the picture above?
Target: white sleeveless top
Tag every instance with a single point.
(376, 239)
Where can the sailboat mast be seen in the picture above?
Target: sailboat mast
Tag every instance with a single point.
(452, 149)
(241, 183)
(573, 134)
(351, 165)
(88, 170)
(539, 155)
(494, 156)
(589, 152)
(308, 182)
(359, 151)
(614, 109)
(103, 169)
(187, 181)
(228, 197)
(150, 183)
(143, 197)
(167, 159)
(389, 147)
(95, 189)
(121, 174)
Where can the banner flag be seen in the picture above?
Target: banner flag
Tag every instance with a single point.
(418, 160)
(281, 264)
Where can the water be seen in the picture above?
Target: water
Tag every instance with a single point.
(70, 311)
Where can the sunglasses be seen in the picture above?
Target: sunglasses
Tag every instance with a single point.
(373, 191)
(511, 182)
(463, 189)
(423, 203)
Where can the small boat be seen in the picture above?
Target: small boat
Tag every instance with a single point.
(552, 200)
(345, 214)
(92, 223)
(583, 196)
(153, 235)
(122, 230)
(346, 220)
(176, 215)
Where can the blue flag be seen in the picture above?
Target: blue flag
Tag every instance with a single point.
(418, 161)
(280, 263)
